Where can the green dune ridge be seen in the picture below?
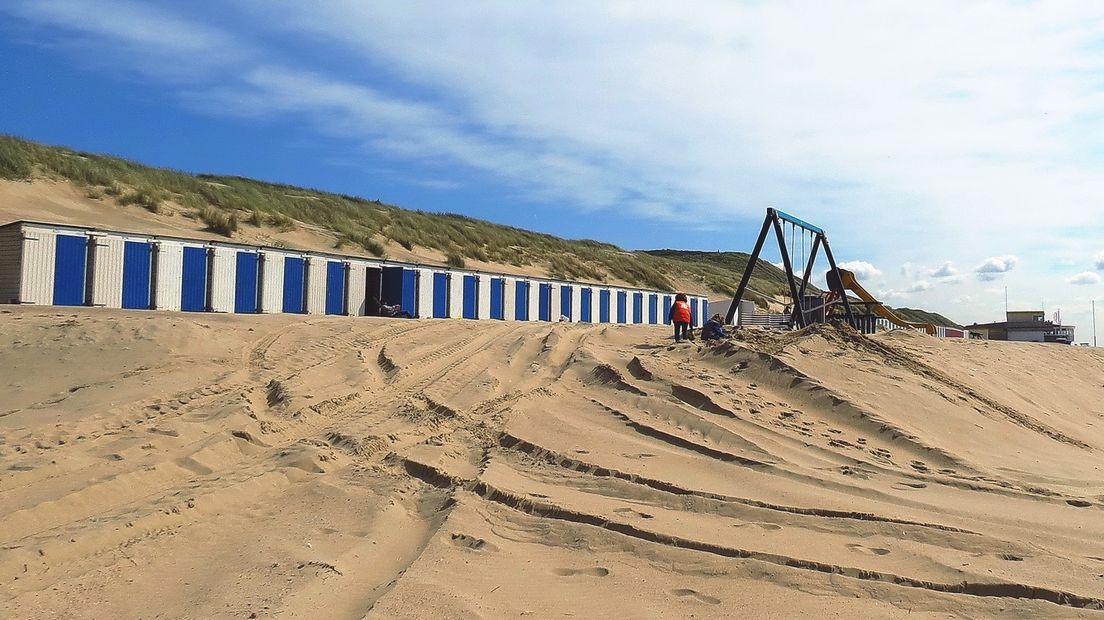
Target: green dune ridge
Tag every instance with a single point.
(226, 203)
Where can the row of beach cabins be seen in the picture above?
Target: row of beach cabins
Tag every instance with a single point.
(52, 264)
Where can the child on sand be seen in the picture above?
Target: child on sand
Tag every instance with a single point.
(680, 316)
(713, 328)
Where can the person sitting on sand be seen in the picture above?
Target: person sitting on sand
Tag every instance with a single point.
(714, 328)
(680, 316)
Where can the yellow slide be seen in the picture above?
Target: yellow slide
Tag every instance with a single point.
(851, 284)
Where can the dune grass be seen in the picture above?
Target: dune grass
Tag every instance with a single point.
(923, 316)
(218, 221)
(223, 202)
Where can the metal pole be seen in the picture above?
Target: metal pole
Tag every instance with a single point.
(789, 273)
(754, 258)
(842, 291)
(808, 269)
(1094, 321)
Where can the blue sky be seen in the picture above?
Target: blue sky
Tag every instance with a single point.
(949, 149)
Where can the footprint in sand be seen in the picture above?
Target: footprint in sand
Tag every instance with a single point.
(867, 550)
(596, 571)
(471, 542)
(635, 513)
(694, 595)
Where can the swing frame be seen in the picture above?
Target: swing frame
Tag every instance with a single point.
(775, 220)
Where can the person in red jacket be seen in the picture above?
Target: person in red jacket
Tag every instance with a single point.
(680, 316)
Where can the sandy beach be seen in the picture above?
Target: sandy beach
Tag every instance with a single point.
(175, 465)
(344, 310)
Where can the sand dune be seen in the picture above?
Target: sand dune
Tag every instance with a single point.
(168, 465)
(62, 202)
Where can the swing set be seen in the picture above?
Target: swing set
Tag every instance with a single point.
(780, 222)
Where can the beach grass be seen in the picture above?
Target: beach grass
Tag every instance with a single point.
(223, 202)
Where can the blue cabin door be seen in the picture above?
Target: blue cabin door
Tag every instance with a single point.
(137, 258)
(521, 301)
(392, 288)
(585, 297)
(440, 295)
(245, 283)
(544, 302)
(693, 311)
(294, 284)
(410, 292)
(622, 303)
(335, 287)
(471, 297)
(638, 308)
(497, 309)
(704, 310)
(603, 306)
(193, 280)
(666, 309)
(565, 301)
(70, 256)
(653, 309)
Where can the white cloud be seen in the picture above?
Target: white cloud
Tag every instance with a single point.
(946, 270)
(676, 116)
(862, 269)
(997, 264)
(919, 286)
(155, 41)
(654, 108)
(991, 268)
(1085, 277)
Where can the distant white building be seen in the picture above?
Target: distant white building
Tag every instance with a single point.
(1025, 326)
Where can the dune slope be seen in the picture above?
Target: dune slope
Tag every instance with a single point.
(224, 466)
